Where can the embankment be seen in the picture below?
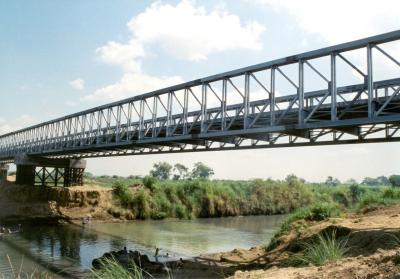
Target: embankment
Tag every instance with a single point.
(27, 203)
(372, 249)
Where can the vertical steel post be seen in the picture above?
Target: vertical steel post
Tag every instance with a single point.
(118, 124)
(272, 97)
(169, 114)
(333, 88)
(141, 119)
(300, 92)
(246, 100)
(370, 82)
(185, 110)
(203, 106)
(129, 121)
(223, 104)
(99, 121)
(153, 131)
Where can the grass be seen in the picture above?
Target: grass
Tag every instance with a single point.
(385, 196)
(203, 198)
(111, 269)
(19, 274)
(186, 199)
(315, 212)
(327, 248)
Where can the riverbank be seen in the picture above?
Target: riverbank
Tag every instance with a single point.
(350, 212)
(368, 241)
(372, 249)
(19, 203)
(124, 200)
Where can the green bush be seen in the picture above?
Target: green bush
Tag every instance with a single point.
(180, 211)
(121, 190)
(324, 250)
(316, 212)
(141, 205)
(149, 182)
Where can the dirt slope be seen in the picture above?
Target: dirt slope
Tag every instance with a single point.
(19, 202)
(373, 238)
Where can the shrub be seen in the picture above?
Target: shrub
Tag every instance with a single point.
(372, 199)
(355, 193)
(180, 212)
(395, 180)
(340, 198)
(110, 269)
(141, 204)
(324, 250)
(149, 182)
(123, 193)
(316, 212)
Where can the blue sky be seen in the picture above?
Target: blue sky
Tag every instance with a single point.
(65, 56)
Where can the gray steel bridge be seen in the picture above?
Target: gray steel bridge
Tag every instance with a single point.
(240, 109)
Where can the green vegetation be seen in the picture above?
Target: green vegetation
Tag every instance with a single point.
(177, 192)
(315, 212)
(111, 269)
(19, 274)
(204, 198)
(326, 248)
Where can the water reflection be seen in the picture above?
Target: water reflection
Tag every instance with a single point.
(71, 249)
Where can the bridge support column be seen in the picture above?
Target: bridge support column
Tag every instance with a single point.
(3, 172)
(49, 172)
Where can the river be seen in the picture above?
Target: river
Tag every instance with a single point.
(70, 249)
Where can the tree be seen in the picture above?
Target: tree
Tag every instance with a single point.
(330, 181)
(395, 180)
(351, 181)
(355, 192)
(161, 170)
(380, 180)
(201, 170)
(383, 180)
(180, 171)
(292, 179)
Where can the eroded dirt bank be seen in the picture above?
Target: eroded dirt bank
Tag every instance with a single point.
(373, 241)
(27, 203)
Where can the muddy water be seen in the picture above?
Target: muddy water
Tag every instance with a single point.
(69, 249)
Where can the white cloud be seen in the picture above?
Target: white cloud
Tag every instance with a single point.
(188, 32)
(185, 31)
(340, 20)
(131, 84)
(77, 84)
(18, 123)
(70, 103)
(124, 55)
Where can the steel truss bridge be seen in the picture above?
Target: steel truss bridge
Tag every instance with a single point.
(240, 109)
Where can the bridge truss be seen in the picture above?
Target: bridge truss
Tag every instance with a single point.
(240, 109)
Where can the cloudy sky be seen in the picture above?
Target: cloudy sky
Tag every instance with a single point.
(59, 57)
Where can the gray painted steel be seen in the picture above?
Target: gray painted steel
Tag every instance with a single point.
(234, 110)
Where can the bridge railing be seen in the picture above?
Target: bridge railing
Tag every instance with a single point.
(234, 102)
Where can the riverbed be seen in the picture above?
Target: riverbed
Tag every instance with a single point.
(69, 249)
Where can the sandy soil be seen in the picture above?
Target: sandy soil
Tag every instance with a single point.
(18, 202)
(372, 254)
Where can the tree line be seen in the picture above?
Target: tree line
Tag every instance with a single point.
(164, 171)
(393, 180)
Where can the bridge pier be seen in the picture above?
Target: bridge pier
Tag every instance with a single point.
(40, 171)
(3, 172)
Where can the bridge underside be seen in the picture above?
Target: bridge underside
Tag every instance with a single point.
(39, 171)
(3, 172)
